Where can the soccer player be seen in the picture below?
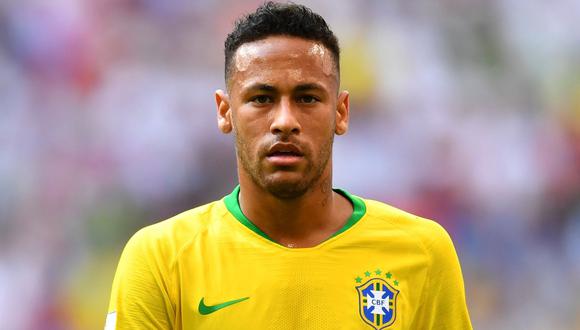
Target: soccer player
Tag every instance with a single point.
(284, 250)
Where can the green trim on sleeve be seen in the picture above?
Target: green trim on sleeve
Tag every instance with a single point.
(232, 202)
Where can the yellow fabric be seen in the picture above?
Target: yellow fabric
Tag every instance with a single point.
(167, 268)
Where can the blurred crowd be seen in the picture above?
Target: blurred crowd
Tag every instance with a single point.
(465, 112)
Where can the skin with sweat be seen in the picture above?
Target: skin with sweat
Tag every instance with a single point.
(284, 109)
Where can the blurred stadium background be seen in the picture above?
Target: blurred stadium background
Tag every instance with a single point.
(466, 112)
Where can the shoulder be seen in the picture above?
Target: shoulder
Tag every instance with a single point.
(190, 221)
(425, 232)
(441, 299)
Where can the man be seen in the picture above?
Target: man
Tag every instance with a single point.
(284, 250)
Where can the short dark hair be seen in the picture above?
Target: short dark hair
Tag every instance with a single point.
(272, 19)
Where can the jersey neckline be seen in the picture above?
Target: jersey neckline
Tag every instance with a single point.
(232, 202)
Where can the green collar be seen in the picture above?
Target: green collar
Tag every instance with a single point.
(233, 205)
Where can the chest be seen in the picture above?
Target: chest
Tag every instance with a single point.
(359, 286)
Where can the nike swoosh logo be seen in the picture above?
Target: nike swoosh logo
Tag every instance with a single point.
(205, 309)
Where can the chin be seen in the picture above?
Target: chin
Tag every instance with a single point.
(287, 189)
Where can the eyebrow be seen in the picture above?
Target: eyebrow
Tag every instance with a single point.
(308, 87)
(299, 88)
(261, 87)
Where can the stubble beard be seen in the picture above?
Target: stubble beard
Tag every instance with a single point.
(285, 189)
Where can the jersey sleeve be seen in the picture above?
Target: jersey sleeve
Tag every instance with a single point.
(141, 293)
(443, 304)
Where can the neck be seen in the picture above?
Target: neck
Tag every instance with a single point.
(303, 221)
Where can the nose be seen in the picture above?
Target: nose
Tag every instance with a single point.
(284, 120)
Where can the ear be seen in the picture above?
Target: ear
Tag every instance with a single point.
(224, 113)
(342, 113)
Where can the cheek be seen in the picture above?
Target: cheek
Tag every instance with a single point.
(319, 126)
(247, 136)
(249, 120)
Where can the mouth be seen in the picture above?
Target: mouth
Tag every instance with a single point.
(284, 154)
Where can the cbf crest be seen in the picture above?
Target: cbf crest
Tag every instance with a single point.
(377, 299)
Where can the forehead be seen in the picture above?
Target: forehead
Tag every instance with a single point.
(283, 61)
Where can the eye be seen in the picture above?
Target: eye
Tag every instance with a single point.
(308, 99)
(261, 99)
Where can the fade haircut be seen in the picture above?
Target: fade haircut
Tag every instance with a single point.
(279, 19)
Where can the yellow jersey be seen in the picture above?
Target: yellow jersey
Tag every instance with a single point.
(212, 268)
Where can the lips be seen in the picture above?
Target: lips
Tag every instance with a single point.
(284, 155)
(284, 149)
